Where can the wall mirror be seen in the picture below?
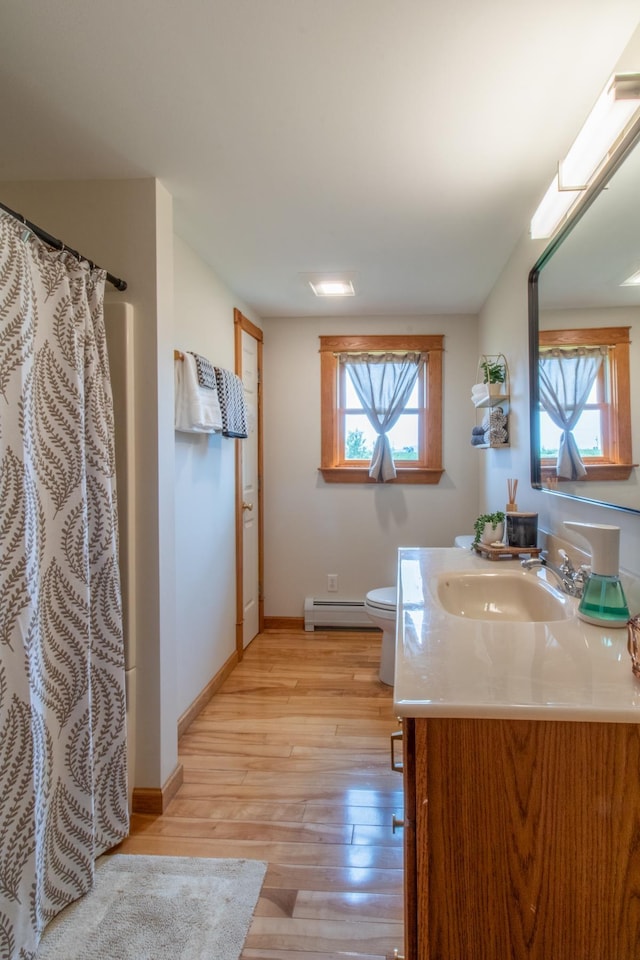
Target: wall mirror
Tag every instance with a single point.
(577, 295)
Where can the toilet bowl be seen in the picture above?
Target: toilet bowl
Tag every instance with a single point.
(380, 606)
(464, 541)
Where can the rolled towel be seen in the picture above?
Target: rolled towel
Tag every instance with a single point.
(496, 418)
(498, 429)
(197, 409)
(498, 425)
(498, 435)
(479, 393)
(478, 431)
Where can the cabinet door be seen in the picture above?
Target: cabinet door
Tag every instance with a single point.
(410, 873)
(528, 846)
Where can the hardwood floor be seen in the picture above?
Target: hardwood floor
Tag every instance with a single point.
(289, 763)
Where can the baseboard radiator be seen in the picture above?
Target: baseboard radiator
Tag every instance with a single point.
(335, 613)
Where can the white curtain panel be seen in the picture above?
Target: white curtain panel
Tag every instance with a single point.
(383, 383)
(63, 789)
(566, 378)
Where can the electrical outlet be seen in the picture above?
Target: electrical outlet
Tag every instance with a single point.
(332, 582)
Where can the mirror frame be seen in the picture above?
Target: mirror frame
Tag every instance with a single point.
(617, 158)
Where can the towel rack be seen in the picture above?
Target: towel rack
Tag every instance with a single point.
(178, 355)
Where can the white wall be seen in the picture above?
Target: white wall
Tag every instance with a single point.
(313, 528)
(205, 489)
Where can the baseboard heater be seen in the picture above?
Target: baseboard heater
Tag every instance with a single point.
(335, 613)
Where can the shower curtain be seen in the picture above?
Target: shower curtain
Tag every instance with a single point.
(63, 789)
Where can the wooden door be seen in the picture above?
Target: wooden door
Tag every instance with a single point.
(249, 520)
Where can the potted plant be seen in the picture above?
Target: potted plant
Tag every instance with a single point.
(489, 528)
(494, 374)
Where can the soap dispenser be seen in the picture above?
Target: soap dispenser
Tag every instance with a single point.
(603, 601)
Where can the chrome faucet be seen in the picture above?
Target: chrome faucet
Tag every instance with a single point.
(571, 580)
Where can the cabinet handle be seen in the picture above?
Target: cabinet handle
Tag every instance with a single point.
(398, 956)
(395, 738)
(396, 824)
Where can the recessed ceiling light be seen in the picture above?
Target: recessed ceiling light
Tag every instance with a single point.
(632, 281)
(332, 288)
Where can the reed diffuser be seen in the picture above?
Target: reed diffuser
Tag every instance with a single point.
(512, 489)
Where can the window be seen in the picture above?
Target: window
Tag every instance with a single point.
(348, 438)
(603, 430)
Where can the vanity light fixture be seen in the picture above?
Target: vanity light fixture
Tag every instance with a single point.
(632, 281)
(332, 288)
(604, 131)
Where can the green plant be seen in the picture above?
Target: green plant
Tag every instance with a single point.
(491, 518)
(356, 446)
(494, 371)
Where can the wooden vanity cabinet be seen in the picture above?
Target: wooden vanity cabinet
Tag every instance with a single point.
(522, 840)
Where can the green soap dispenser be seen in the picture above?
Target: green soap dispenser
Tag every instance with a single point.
(603, 601)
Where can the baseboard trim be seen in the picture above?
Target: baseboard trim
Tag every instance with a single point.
(155, 800)
(284, 623)
(203, 698)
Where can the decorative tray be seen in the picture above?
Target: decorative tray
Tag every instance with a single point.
(503, 552)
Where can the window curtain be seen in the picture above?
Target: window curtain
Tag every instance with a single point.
(63, 774)
(566, 378)
(383, 383)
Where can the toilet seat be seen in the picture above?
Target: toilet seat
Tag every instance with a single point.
(383, 599)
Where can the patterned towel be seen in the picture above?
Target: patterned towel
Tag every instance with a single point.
(206, 371)
(232, 405)
(495, 424)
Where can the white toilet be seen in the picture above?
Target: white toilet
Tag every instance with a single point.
(380, 606)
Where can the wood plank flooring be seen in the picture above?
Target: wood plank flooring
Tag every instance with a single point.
(289, 763)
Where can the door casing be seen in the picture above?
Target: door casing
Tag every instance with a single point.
(243, 324)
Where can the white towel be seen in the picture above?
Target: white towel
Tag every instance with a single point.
(479, 392)
(197, 409)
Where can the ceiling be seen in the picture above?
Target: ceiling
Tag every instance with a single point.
(406, 142)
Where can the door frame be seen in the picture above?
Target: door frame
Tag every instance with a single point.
(243, 324)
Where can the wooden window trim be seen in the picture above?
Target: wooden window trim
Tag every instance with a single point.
(617, 431)
(428, 470)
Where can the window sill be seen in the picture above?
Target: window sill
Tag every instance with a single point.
(595, 472)
(361, 475)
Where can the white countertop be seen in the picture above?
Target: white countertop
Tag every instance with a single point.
(451, 666)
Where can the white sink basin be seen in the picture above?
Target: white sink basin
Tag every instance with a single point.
(513, 595)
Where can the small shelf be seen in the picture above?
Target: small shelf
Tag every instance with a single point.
(492, 400)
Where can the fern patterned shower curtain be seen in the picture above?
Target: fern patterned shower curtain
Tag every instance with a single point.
(63, 789)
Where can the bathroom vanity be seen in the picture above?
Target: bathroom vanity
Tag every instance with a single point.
(521, 765)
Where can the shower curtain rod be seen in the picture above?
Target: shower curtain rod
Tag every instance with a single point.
(59, 245)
